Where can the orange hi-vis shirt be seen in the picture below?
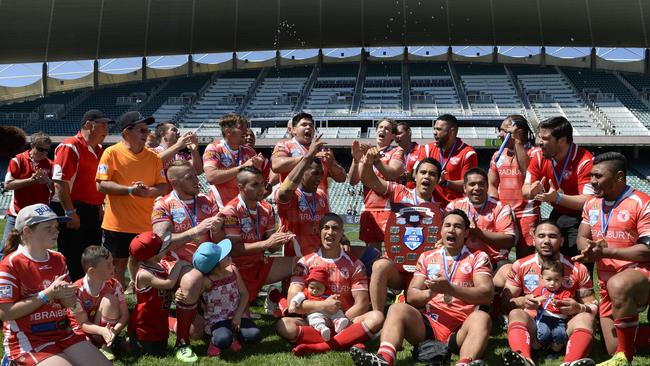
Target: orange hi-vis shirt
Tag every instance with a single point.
(124, 213)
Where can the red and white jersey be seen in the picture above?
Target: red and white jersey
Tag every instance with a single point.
(576, 175)
(293, 148)
(249, 226)
(181, 155)
(76, 162)
(23, 167)
(400, 196)
(184, 215)
(345, 275)
(511, 179)
(431, 265)
(22, 277)
(628, 221)
(371, 200)
(410, 159)
(149, 317)
(301, 216)
(494, 216)
(526, 275)
(222, 157)
(90, 303)
(455, 161)
(548, 306)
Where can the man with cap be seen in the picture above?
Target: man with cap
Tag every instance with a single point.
(75, 166)
(131, 177)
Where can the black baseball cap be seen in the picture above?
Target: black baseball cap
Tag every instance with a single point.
(97, 116)
(132, 118)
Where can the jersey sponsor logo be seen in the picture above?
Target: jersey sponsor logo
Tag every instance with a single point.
(531, 281)
(295, 152)
(509, 172)
(88, 304)
(454, 160)
(226, 160)
(433, 270)
(178, 215)
(230, 220)
(102, 169)
(302, 205)
(345, 273)
(246, 225)
(593, 217)
(6, 292)
(45, 267)
(45, 315)
(623, 216)
(466, 268)
(205, 209)
(433, 316)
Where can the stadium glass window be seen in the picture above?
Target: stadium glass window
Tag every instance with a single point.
(621, 54)
(427, 51)
(568, 52)
(472, 51)
(69, 70)
(341, 52)
(299, 54)
(17, 75)
(212, 58)
(120, 65)
(166, 62)
(255, 56)
(519, 51)
(385, 51)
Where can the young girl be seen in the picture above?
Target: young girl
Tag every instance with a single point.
(225, 299)
(551, 323)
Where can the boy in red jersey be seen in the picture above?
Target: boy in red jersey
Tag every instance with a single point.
(100, 312)
(506, 177)
(448, 284)
(615, 234)
(520, 297)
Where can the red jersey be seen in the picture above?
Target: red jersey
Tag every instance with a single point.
(149, 317)
(222, 157)
(249, 226)
(90, 303)
(22, 277)
(184, 215)
(625, 224)
(411, 157)
(511, 179)
(23, 167)
(575, 179)
(548, 306)
(76, 162)
(345, 275)
(431, 264)
(293, 148)
(301, 215)
(371, 200)
(493, 216)
(455, 161)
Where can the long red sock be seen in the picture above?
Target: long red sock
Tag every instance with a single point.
(388, 352)
(625, 332)
(308, 335)
(578, 345)
(171, 322)
(356, 333)
(185, 314)
(283, 305)
(519, 338)
(642, 338)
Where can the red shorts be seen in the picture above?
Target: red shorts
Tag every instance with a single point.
(255, 277)
(43, 351)
(524, 226)
(373, 226)
(605, 307)
(443, 325)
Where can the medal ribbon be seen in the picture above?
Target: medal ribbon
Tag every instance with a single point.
(604, 219)
(559, 179)
(313, 206)
(302, 148)
(233, 153)
(454, 266)
(257, 216)
(193, 218)
(441, 153)
(545, 305)
(476, 213)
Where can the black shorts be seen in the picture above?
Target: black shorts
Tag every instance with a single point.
(118, 243)
(429, 334)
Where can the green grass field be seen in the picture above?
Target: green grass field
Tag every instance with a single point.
(275, 351)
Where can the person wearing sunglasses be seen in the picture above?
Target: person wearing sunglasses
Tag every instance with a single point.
(29, 178)
(132, 177)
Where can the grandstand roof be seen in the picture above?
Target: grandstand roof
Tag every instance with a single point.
(58, 30)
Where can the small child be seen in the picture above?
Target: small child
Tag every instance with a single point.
(318, 290)
(148, 326)
(225, 299)
(101, 312)
(551, 323)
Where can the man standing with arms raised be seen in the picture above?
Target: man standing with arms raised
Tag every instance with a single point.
(174, 147)
(559, 174)
(131, 177)
(75, 168)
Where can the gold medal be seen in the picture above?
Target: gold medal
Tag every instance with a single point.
(448, 299)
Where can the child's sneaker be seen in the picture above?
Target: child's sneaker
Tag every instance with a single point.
(235, 346)
(326, 333)
(185, 354)
(340, 324)
(213, 351)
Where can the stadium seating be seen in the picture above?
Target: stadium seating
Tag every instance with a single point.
(173, 88)
(344, 197)
(489, 90)
(278, 93)
(432, 90)
(332, 93)
(382, 90)
(27, 114)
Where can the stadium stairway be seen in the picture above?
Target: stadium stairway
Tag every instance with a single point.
(432, 90)
(490, 91)
(173, 88)
(333, 90)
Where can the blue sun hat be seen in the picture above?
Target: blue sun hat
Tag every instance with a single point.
(208, 255)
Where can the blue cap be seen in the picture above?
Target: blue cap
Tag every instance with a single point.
(209, 254)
